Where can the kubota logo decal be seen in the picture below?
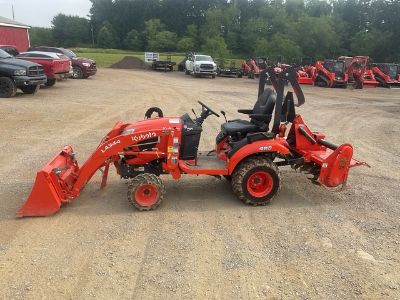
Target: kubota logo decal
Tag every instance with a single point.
(110, 145)
(142, 137)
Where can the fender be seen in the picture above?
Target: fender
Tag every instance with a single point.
(259, 147)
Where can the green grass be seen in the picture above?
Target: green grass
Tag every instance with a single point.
(107, 57)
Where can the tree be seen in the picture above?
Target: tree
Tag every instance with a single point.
(163, 41)
(133, 41)
(41, 36)
(69, 31)
(279, 46)
(186, 44)
(105, 38)
(216, 47)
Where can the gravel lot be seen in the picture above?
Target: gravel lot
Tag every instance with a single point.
(202, 242)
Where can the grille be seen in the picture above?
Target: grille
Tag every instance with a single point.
(35, 71)
(207, 66)
(93, 66)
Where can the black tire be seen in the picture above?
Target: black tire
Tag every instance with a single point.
(78, 73)
(7, 87)
(245, 176)
(85, 77)
(213, 76)
(30, 89)
(146, 191)
(50, 82)
(187, 72)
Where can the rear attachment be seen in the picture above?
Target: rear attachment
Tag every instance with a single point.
(52, 186)
(329, 164)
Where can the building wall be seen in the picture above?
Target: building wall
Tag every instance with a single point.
(13, 36)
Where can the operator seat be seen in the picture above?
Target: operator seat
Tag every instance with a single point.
(260, 117)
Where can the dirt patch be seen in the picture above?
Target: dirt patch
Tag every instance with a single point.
(130, 62)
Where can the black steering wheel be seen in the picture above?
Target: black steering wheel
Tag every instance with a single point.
(208, 109)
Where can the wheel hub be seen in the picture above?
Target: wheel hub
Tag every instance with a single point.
(260, 184)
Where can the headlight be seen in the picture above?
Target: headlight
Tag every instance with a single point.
(85, 64)
(21, 72)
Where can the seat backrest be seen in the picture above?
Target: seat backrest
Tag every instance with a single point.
(264, 106)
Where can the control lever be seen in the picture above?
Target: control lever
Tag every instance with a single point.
(194, 113)
(224, 114)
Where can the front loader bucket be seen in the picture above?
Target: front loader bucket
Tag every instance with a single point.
(52, 186)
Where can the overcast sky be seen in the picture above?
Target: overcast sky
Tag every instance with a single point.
(41, 12)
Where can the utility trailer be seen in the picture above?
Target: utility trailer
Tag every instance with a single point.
(164, 65)
(228, 69)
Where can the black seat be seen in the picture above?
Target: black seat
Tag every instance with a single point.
(260, 116)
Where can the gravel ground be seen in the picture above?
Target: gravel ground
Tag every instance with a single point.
(202, 242)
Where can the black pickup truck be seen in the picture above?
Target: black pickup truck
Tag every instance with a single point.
(18, 73)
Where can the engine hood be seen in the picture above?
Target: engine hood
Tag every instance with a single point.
(167, 123)
(18, 62)
(199, 62)
(83, 59)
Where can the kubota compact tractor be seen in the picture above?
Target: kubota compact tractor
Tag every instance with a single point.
(247, 152)
(386, 74)
(330, 73)
(357, 72)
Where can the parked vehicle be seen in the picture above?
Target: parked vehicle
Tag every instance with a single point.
(330, 73)
(164, 65)
(56, 66)
(198, 65)
(386, 74)
(82, 67)
(17, 73)
(357, 73)
(226, 68)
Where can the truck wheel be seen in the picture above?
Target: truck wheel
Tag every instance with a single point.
(30, 89)
(187, 72)
(256, 181)
(50, 82)
(7, 87)
(77, 73)
(213, 76)
(146, 191)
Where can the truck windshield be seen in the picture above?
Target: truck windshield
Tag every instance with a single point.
(203, 58)
(69, 53)
(4, 54)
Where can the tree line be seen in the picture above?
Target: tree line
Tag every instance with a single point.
(290, 29)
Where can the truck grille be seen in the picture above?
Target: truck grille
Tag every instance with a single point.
(35, 71)
(207, 66)
(93, 66)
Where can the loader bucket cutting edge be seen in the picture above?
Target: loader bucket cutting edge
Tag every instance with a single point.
(52, 186)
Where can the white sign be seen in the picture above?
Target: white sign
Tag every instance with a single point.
(151, 56)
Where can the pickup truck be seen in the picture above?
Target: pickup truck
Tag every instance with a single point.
(82, 67)
(18, 73)
(56, 66)
(199, 65)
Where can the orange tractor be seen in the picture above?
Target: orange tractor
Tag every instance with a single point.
(248, 152)
(357, 71)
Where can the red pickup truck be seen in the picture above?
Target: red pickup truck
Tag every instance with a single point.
(55, 65)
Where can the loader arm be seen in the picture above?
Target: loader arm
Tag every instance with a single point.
(61, 180)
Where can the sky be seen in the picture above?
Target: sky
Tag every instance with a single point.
(39, 13)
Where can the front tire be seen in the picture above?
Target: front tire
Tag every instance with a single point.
(77, 73)
(146, 191)
(256, 181)
(7, 87)
(30, 89)
(50, 82)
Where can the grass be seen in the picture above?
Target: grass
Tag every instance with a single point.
(107, 57)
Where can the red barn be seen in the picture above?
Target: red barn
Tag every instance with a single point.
(14, 34)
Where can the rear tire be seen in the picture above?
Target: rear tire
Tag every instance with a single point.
(256, 181)
(77, 73)
(50, 82)
(7, 87)
(146, 191)
(30, 89)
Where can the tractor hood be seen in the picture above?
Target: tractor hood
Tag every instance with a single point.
(167, 123)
